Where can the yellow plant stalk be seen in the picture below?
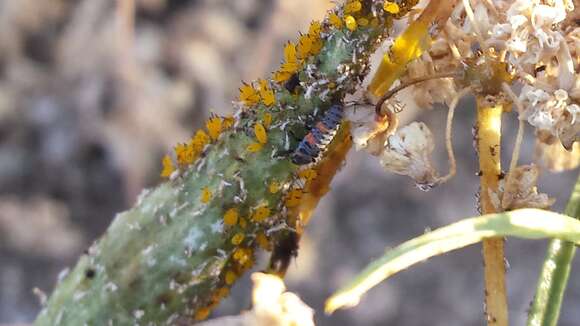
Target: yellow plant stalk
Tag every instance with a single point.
(409, 46)
(489, 139)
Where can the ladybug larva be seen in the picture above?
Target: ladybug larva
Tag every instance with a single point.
(314, 143)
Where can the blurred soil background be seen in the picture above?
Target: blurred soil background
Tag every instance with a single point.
(92, 96)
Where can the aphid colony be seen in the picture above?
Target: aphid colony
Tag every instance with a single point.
(268, 112)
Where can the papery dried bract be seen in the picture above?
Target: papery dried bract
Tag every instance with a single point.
(520, 190)
(408, 152)
(368, 131)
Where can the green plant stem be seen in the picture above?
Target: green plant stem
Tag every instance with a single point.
(524, 223)
(555, 272)
(171, 258)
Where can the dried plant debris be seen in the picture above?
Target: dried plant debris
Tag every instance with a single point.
(519, 190)
(272, 306)
(538, 46)
(408, 152)
(369, 132)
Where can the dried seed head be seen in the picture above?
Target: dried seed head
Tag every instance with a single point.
(408, 153)
(520, 191)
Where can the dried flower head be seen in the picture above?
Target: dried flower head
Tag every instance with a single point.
(537, 43)
(408, 152)
(519, 190)
(369, 131)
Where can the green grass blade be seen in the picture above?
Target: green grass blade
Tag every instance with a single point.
(523, 223)
(554, 275)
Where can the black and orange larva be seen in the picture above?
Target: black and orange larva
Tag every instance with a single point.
(314, 143)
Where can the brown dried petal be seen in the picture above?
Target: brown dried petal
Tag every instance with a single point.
(520, 190)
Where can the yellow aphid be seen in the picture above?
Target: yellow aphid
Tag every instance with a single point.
(268, 97)
(290, 67)
(263, 84)
(248, 95)
(261, 213)
(214, 127)
(254, 147)
(242, 256)
(350, 23)
(243, 223)
(293, 198)
(304, 46)
(184, 154)
(168, 167)
(260, 133)
(314, 29)
(335, 21)
(374, 22)
(274, 187)
(227, 122)
(237, 239)
(391, 7)
(230, 277)
(308, 174)
(353, 6)
(287, 69)
(290, 53)
(316, 46)
(362, 22)
(280, 76)
(263, 241)
(222, 293)
(231, 216)
(205, 195)
(267, 120)
(249, 262)
(199, 140)
(202, 313)
(266, 93)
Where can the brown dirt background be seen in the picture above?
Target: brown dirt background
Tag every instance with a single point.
(88, 106)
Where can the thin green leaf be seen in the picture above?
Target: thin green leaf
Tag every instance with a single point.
(523, 223)
(554, 276)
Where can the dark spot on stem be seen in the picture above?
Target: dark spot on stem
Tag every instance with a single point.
(90, 273)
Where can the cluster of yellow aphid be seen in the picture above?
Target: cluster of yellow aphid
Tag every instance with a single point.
(262, 92)
(295, 54)
(243, 259)
(243, 256)
(187, 153)
(250, 95)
